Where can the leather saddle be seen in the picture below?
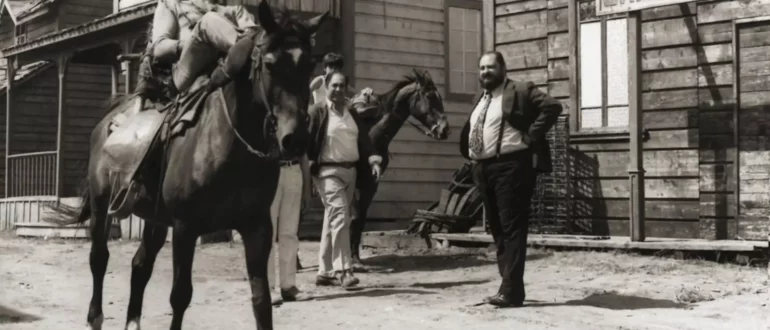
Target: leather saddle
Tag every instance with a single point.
(138, 127)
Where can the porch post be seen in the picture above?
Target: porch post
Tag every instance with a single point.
(115, 68)
(62, 64)
(10, 75)
(636, 164)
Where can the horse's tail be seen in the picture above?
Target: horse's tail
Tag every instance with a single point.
(63, 215)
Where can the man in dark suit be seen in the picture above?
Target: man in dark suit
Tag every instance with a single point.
(337, 151)
(505, 136)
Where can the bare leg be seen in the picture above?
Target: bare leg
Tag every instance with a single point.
(257, 243)
(182, 289)
(98, 259)
(153, 239)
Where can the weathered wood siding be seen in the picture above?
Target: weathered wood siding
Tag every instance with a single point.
(392, 37)
(76, 12)
(87, 87)
(42, 26)
(688, 104)
(34, 114)
(753, 54)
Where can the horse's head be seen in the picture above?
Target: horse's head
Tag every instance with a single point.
(426, 105)
(281, 73)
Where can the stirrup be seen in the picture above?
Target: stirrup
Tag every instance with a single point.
(122, 204)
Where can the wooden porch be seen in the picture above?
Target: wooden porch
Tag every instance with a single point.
(49, 121)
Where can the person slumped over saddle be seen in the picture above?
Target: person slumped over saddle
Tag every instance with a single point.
(189, 35)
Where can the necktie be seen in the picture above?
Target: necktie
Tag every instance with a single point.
(476, 142)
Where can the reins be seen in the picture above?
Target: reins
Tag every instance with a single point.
(256, 78)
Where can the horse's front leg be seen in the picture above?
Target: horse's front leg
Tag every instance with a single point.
(257, 241)
(365, 197)
(153, 239)
(183, 242)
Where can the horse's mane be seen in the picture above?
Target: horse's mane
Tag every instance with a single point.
(388, 99)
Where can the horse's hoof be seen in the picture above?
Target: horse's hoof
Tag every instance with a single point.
(133, 325)
(96, 324)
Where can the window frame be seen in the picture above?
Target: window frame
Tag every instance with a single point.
(464, 4)
(20, 33)
(604, 106)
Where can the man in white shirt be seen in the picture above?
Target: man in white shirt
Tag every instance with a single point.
(336, 152)
(505, 136)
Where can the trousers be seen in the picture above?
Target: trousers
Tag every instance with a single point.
(506, 185)
(336, 186)
(285, 212)
(212, 35)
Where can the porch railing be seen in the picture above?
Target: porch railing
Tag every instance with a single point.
(32, 174)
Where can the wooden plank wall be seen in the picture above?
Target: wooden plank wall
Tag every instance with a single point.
(41, 26)
(753, 53)
(87, 89)
(391, 38)
(717, 103)
(34, 116)
(75, 12)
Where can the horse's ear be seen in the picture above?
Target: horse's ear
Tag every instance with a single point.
(314, 23)
(266, 18)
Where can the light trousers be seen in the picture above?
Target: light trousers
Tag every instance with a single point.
(285, 212)
(336, 186)
(213, 34)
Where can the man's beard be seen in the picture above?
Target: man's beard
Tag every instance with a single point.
(491, 83)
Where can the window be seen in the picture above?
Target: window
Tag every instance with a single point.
(462, 46)
(603, 69)
(21, 33)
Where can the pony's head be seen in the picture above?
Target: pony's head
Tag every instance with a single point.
(425, 103)
(281, 73)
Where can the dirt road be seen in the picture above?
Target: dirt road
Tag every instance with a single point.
(47, 285)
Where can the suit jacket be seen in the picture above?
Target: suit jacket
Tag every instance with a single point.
(319, 123)
(531, 112)
(174, 19)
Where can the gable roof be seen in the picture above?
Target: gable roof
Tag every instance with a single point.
(24, 73)
(20, 9)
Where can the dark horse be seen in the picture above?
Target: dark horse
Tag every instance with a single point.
(220, 174)
(415, 95)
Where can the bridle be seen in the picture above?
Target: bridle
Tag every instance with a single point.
(420, 95)
(270, 122)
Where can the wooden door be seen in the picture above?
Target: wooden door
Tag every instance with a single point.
(753, 90)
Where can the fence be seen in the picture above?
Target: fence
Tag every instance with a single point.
(32, 174)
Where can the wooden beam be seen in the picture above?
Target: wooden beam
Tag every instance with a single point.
(635, 116)
(115, 69)
(62, 64)
(736, 121)
(10, 74)
(488, 17)
(572, 14)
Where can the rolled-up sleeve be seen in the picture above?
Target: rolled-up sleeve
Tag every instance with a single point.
(165, 32)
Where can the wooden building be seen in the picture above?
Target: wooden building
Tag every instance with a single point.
(63, 54)
(705, 102)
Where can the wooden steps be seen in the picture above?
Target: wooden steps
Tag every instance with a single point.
(620, 243)
(42, 229)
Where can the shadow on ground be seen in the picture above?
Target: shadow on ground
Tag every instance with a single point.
(10, 315)
(392, 263)
(445, 285)
(372, 293)
(614, 301)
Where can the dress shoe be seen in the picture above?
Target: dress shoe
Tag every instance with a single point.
(275, 298)
(357, 265)
(502, 300)
(322, 280)
(348, 280)
(293, 294)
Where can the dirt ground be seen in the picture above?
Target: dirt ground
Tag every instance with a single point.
(46, 284)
